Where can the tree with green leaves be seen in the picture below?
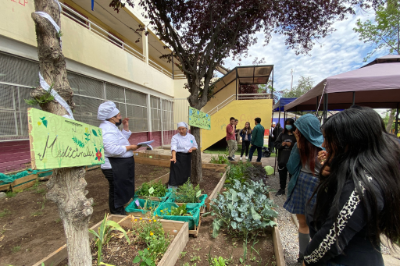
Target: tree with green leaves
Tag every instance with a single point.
(303, 85)
(384, 31)
(384, 34)
(202, 33)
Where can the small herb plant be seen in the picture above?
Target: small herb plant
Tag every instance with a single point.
(187, 193)
(219, 159)
(104, 235)
(151, 233)
(156, 189)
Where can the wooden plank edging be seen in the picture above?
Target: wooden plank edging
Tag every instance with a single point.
(276, 236)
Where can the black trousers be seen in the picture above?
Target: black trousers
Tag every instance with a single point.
(283, 173)
(245, 146)
(108, 173)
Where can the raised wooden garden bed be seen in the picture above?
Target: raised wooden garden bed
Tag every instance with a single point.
(178, 229)
(5, 187)
(278, 248)
(24, 182)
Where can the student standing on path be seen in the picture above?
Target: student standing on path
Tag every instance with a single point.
(119, 166)
(182, 146)
(246, 138)
(231, 138)
(271, 138)
(257, 140)
(304, 167)
(284, 145)
(237, 137)
(358, 196)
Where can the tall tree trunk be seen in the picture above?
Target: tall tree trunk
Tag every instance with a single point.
(67, 185)
(390, 121)
(197, 173)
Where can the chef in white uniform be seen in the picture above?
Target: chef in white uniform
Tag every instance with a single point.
(182, 145)
(119, 166)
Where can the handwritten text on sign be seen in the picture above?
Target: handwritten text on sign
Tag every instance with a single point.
(199, 119)
(58, 142)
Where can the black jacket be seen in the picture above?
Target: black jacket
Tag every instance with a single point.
(284, 151)
(354, 241)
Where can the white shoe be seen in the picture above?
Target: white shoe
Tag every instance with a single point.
(240, 159)
(247, 158)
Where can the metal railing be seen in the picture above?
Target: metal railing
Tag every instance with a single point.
(254, 96)
(159, 68)
(222, 104)
(85, 22)
(248, 96)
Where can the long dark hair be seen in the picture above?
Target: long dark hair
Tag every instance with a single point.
(358, 146)
(289, 121)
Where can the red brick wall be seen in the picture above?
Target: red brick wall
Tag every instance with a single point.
(14, 155)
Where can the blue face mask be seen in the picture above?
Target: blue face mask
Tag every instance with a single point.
(289, 127)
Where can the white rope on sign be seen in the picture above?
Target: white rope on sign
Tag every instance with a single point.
(56, 96)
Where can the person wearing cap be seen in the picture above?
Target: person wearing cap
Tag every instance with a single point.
(119, 166)
(182, 146)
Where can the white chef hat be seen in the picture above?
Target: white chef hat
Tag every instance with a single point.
(183, 124)
(107, 110)
(274, 123)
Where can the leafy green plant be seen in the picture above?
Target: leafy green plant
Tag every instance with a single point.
(144, 258)
(236, 172)
(159, 190)
(187, 193)
(220, 261)
(243, 209)
(45, 98)
(177, 211)
(104, 234)
(219, 159)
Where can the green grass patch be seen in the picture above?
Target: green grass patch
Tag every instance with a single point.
(16, 249)
(36, 213)
(11, 194)
(4, 213)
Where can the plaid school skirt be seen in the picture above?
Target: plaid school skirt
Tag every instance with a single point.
(302, 192)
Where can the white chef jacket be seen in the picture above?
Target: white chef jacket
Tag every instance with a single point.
(114, 141)
(183, 144)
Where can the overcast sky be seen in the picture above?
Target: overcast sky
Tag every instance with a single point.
(341, 51)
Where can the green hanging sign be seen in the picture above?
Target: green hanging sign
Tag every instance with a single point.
(57, 142)
(199, 119)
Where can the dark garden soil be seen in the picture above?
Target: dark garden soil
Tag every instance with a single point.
(199, 250)
(210, 180)
(30, 227)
